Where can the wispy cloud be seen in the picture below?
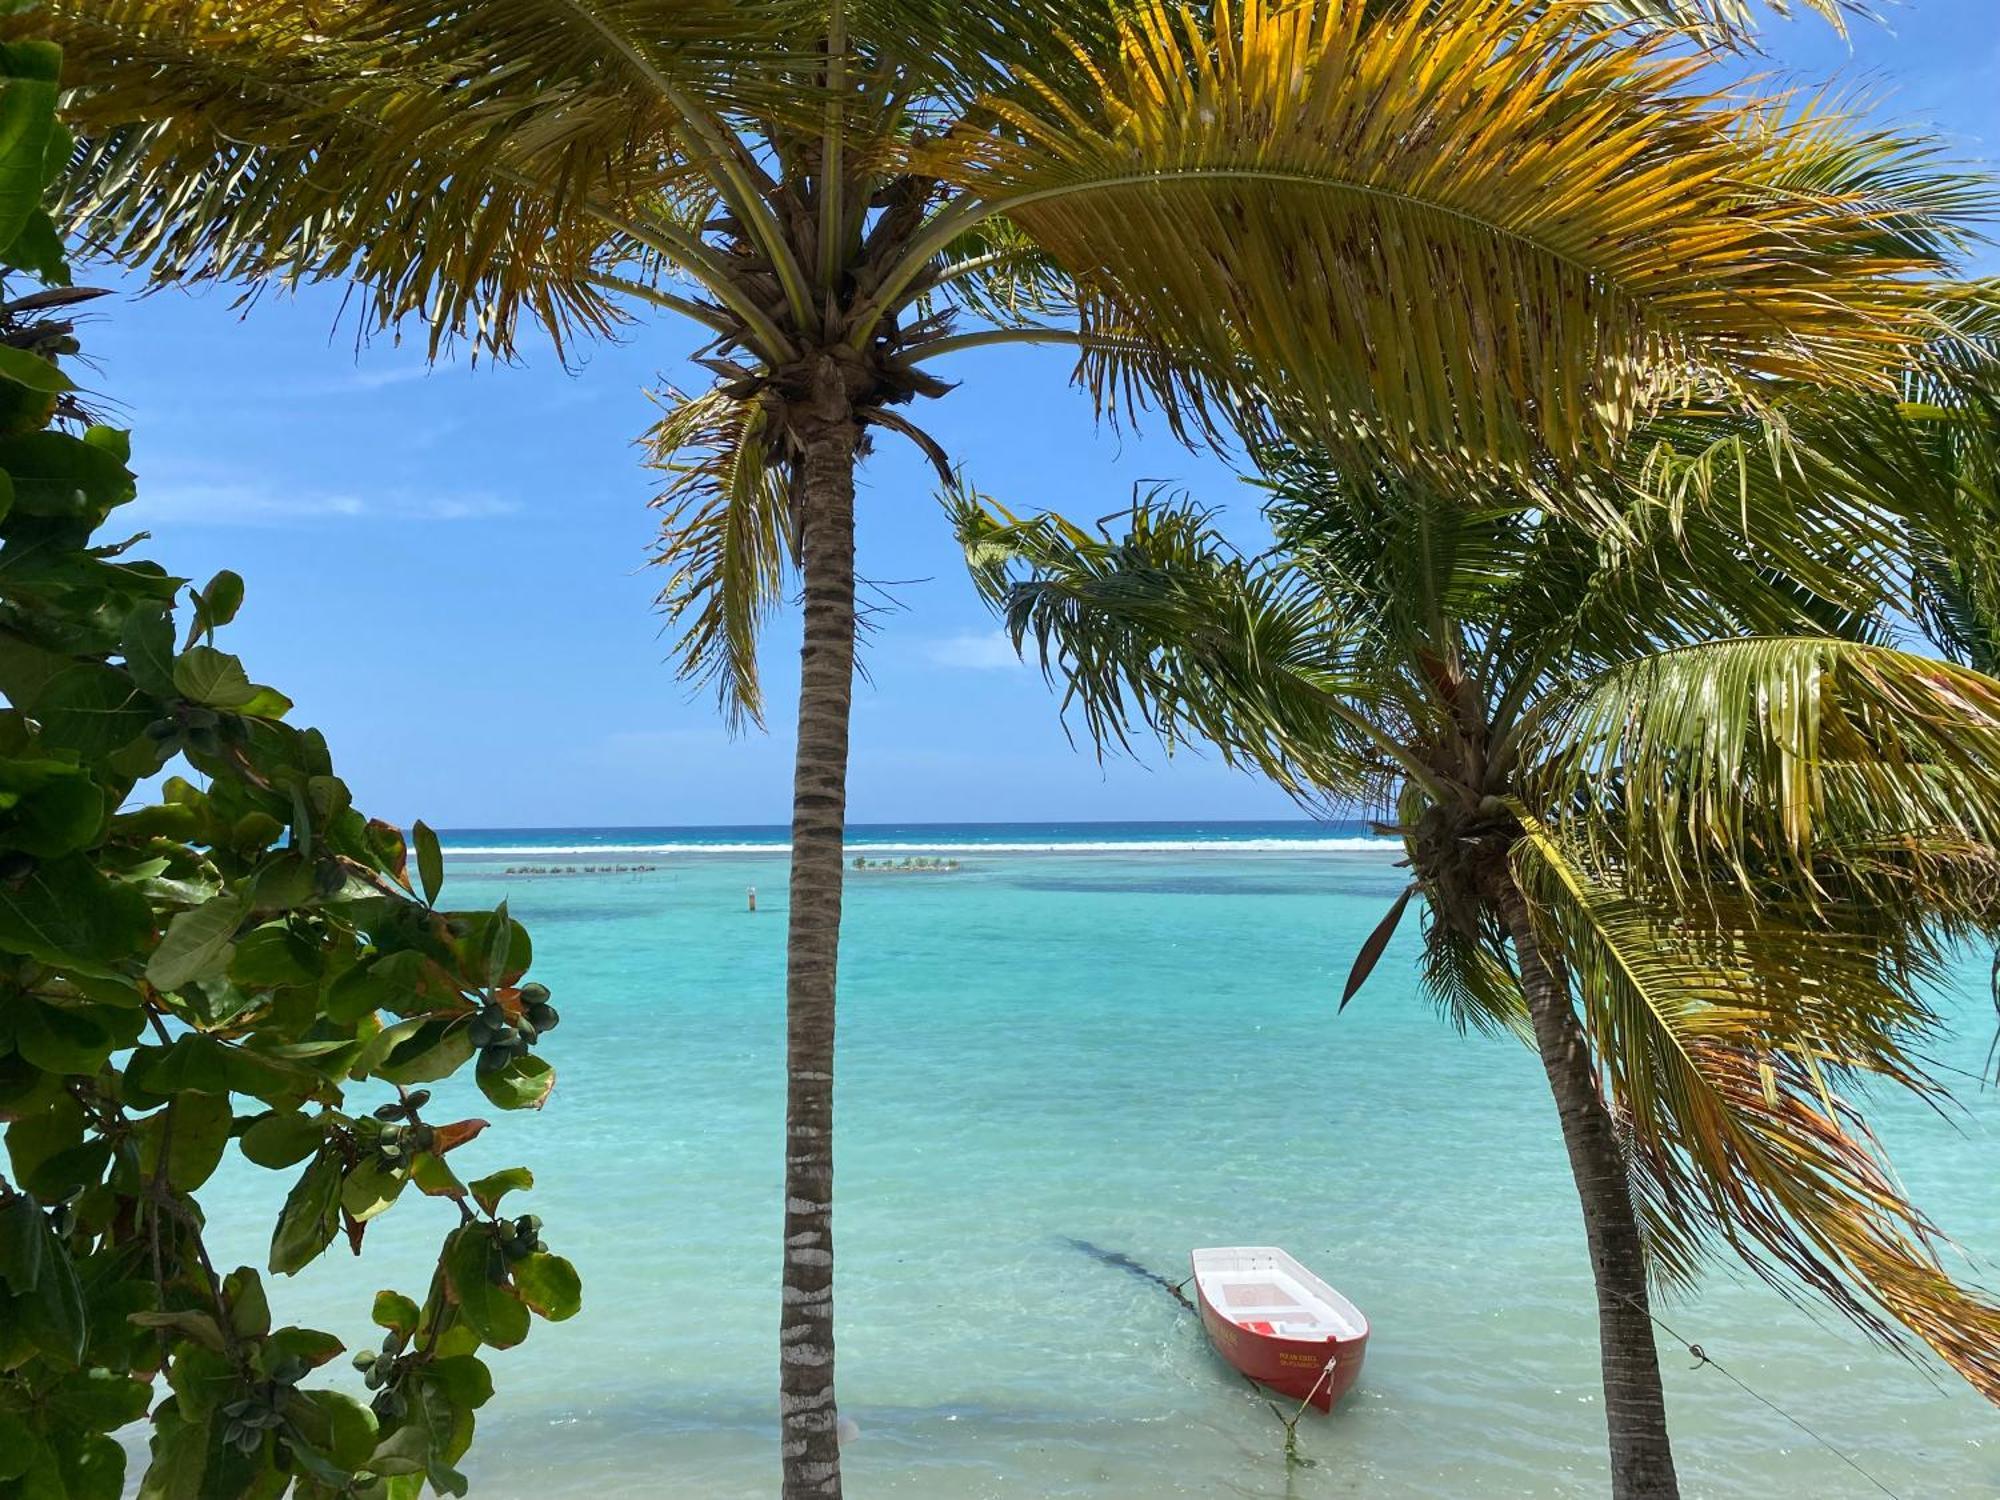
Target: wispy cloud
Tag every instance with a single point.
(262, 505)
(974, 651)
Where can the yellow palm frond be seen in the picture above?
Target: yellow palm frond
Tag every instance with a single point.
(1464, 230)
(466, 171)
(1720, 1042)
(726, 536)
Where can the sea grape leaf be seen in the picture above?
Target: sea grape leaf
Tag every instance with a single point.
(476, 1272)
(198, 943)
(64, 912)
(282, 1138)
(55, 474)
(147, 642)
(195, 1129)
(430, 861)
(215, 678)
(61, 1039)
(90, 708)
(488, 1191)
(523, 1084)
(31, 370)
(310, 1218)
(548, 1284)
(395, 1312)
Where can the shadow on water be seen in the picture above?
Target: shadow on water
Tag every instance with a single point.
(1122, 1262)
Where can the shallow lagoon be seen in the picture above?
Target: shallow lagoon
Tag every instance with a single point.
(1137, 1048)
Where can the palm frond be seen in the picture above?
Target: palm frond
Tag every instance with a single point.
(1847, 772)
(726, 536)
(1721, 1038)
(1165, 629)
(1721, 23)
(1468, 978)
(468, 167)
(1457, 231)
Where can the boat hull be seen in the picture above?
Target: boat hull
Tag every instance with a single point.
(1292, 1367)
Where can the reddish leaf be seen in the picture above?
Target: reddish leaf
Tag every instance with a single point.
(451, 1137)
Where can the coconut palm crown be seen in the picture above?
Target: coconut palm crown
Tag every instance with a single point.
(1706, 857)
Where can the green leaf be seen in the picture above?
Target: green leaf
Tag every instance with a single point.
(55, 474)
(370, 1188)
(499, 943)
(51, 1313)
(437, 1049)
(33, 371)
(488, 1191)
(215, 678)
(310, 1217)
(338, 1426)
(98, 1400)
(309, 1345)
(147, 643)
(282, 1138)
(21, 1245)
(430, 861)
(90, 708)
(61, 1039)
(436, 1177)
(464, 1379)
(48, 808)
(195, 1128)
(198, 943)
(220, 601)
(27, 121)
(395, 1312)
(17, 1446)
(273, 955)
(65, 913)
(476, 1272)
(249, 1307)
(36, 1142)
(548, 1284)
(523, 1084)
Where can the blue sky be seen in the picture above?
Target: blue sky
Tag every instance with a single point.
(446, 567)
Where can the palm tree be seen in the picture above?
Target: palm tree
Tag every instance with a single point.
(1701, 855)
(1483, 228)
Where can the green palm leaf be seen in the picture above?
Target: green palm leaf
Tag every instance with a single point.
(726, 537)
(1721, 1038)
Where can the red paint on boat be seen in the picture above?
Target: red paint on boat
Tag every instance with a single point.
(1279, 1324)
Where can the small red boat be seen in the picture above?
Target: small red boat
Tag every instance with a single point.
(1279, 1324)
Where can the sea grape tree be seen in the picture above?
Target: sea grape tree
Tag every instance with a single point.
(205, 971)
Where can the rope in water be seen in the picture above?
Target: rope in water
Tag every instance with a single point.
(1174, 1288)
(1704, 1361)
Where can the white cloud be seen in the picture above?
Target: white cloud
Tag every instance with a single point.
(974, 651)
(260, 505)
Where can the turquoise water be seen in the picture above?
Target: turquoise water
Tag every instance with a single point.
(1135, 1046)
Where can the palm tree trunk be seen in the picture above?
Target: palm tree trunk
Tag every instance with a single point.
(1635, 1403)
(810, 1439)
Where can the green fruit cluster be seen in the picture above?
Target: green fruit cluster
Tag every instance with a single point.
(248, 1418)
(520, 1238)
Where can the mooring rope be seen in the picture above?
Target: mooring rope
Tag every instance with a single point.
(1704, 1361)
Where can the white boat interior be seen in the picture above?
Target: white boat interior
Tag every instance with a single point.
(1262, 1288)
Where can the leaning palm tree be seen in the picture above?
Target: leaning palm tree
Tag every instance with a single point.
(1701, 855)
(1490, 229)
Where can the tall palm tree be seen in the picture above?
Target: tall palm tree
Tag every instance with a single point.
(1701, 855)
(1484, 228)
